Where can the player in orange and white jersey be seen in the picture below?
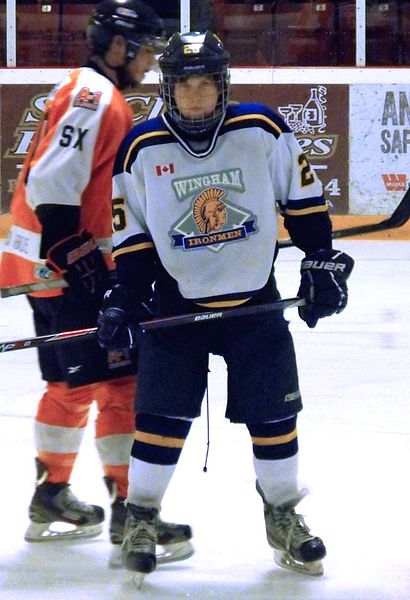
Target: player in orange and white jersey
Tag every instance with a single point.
(61, 227)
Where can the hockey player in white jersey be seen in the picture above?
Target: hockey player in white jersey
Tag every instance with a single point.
(194, 211)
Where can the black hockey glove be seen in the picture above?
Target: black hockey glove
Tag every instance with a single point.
(118, 319)
(80, 262)
(323, 284)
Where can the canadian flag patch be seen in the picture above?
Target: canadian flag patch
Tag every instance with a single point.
(163, 169)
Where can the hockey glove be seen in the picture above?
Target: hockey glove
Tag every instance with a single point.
(118, 319)
(323, 284)
(79, 260)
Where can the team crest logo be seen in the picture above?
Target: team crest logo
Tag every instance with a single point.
(87, 99)
(212, 222)
(209, 211)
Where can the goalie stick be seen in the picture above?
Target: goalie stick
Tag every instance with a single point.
(186, 319)
(399, 217)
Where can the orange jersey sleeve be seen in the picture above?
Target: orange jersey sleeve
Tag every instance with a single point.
(69, 163)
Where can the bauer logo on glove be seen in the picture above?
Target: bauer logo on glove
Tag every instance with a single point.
(321, 264)
(324, 274)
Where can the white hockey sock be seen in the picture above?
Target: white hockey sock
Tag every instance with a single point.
(278, 480)
(147, 482)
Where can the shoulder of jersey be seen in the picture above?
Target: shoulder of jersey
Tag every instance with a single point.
(151, 132)
(253, 115)
(92, 90)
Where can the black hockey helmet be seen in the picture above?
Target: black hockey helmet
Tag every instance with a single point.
(188, 54)
(133, 19)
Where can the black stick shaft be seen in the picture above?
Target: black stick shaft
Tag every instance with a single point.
(399, 217)
(187, 319)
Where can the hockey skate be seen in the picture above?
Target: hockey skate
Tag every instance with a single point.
(140, 538)
(295, 548)
(57, 514)
(54, 504)
(173, 539)
(118, 512)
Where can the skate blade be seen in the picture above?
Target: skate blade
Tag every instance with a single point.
(165, 554)
(174, 552)
(282, 559)
(57, 532)
(138, 580)
(115, 560)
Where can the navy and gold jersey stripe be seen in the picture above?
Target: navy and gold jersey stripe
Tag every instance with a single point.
(150, 133)
(223, 303)
(153, 138)
(304, 206)
(253, 115)
(227, 300)
(135, 243)
(306, 211)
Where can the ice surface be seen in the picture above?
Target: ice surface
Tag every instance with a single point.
(354, 454)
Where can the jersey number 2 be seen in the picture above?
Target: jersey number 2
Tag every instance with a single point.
(306, 175)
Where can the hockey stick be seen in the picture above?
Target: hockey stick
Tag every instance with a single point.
(399, 217)
(37, 286)
(186, 319)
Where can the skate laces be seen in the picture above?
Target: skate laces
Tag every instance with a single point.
(292, 527)
(142, 538)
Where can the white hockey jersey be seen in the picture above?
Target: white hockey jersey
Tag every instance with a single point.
(70, 163)
(211, 216)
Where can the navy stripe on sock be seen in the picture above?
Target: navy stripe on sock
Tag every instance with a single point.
(266, 439)
(166, 426)
(159, 440)
(276, 452)
(156, 455)
(272, 429)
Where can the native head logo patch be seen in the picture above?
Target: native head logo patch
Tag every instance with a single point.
(211, 220)
(209, 211)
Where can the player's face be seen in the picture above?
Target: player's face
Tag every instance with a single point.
(142, 63)
(196, 97)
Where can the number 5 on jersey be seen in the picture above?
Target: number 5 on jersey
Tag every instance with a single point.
(118, 214)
